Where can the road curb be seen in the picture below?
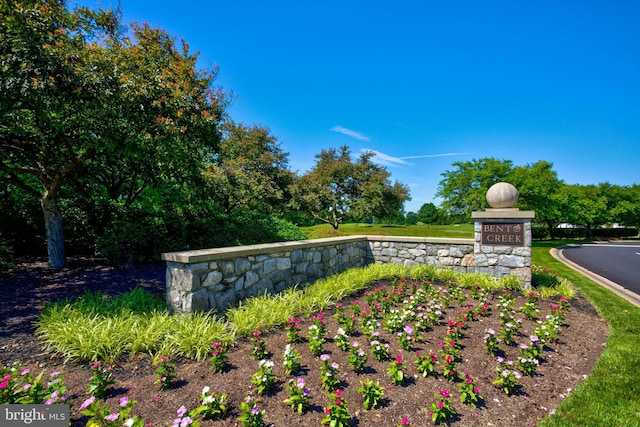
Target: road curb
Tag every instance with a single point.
(602, 281)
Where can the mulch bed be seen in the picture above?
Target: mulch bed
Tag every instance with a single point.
(25, 290)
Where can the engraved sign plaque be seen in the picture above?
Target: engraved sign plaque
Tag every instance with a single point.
(503, 233)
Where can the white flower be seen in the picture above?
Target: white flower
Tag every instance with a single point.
(206, 389)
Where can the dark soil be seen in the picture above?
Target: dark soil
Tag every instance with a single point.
(25, 289)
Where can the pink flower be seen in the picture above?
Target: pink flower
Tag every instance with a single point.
(124, 401)
(444, 393)
(112, 417)
(440, 404)
(181, 411)
(86, 403)
(405, 422)
(164, 358)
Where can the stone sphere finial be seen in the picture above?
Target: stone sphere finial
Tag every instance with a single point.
(502, 195)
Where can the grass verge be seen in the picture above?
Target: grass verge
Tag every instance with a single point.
(610, 396)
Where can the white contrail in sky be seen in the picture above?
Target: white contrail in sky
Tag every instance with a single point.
(386, 159)
(351, 133)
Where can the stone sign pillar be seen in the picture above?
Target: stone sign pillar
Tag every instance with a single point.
(503, 235)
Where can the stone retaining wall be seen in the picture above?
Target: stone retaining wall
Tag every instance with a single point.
(214, 279)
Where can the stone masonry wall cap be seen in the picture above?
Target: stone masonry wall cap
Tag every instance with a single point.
(502, 195)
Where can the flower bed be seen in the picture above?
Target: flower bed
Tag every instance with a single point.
(414, 319)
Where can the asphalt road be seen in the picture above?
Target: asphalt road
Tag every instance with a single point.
(618, 262)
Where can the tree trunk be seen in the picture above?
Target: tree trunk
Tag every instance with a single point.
(55, 233)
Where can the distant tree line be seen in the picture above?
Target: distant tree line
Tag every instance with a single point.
(588, 207)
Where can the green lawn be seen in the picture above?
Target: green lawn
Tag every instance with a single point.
(458, 230)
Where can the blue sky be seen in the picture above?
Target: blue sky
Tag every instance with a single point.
(424, 83)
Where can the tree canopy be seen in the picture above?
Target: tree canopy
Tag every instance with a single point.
(464, 188)
(337, 188)
(80, 91)
(249, 170)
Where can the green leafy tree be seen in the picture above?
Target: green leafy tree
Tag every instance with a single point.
(464, 188)
(627, 210)
(79, 93)
(428, 213)
(586, 206)
(411, 218)
(337, 189)
(250, 170)
(538, 189)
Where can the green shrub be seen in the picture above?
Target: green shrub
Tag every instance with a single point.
(139, 234)
(6, 254)
(540, 232)
(241, 228)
